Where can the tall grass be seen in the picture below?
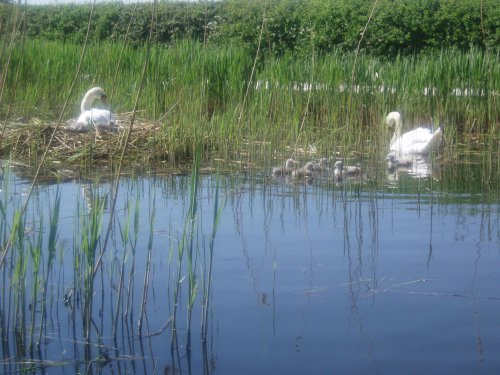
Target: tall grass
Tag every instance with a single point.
(197, 91)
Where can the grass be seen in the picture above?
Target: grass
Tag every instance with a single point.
(201, 93)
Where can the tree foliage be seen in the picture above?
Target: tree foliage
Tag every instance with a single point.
(297, 26)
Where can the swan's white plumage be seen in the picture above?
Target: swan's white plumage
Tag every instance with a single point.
(417, 141)
(101, 119)
(95, 117)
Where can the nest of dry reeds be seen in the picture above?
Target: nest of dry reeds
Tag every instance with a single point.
(28, 141)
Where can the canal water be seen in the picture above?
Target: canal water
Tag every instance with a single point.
(244, 273)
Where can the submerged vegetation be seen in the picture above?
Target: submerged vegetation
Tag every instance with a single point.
(54, 279)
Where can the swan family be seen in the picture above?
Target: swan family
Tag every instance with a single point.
(100, 119)
(404, 150)
(320, 167)
(416, 142)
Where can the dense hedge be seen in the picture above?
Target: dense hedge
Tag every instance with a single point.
(396, 26)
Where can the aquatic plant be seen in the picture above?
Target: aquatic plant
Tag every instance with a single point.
(322, 100)
(91, 227)
(208, 262)
(185, 253)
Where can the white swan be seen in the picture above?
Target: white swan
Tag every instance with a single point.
(417, 141)
(101, 119)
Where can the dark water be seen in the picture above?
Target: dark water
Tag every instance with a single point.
(386, 274)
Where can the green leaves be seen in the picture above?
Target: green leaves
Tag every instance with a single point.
(299, 26)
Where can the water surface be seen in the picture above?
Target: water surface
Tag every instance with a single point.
(388, 274)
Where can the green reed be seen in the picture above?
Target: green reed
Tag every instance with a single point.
(185, 253)
(40, 278)
(18, 282)
(199, 93)
(208, 262)
(125, 239)
(91, 227)
(152, 220)
(133, 249)
(35, 250)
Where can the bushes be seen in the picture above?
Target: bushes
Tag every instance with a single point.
(298, 26)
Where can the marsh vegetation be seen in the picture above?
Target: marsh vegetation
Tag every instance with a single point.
(144, 250)
(220, 100)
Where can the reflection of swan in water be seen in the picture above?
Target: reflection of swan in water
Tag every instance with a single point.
(304, 172)
(101, 119)
(420, 167)
(95, 197)
(284, 169)
(417, 141)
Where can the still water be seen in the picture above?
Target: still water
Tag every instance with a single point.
(392, 273)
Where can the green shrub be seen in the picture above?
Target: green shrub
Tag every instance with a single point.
(298, 26)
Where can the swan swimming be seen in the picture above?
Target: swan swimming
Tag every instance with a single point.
(349, 170)
(284, 169)
(321, 165)
(101, 119)
(417, 141)
(305, 172)
(393, 163)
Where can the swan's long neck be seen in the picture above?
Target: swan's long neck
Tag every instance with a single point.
(397, 129)
(87, 101)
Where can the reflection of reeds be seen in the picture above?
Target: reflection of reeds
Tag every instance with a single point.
(91, 227)
(25, 308)
(207, 272)
(185, 248)
(152, 218)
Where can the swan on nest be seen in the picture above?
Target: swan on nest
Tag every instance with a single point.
(100, 119)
